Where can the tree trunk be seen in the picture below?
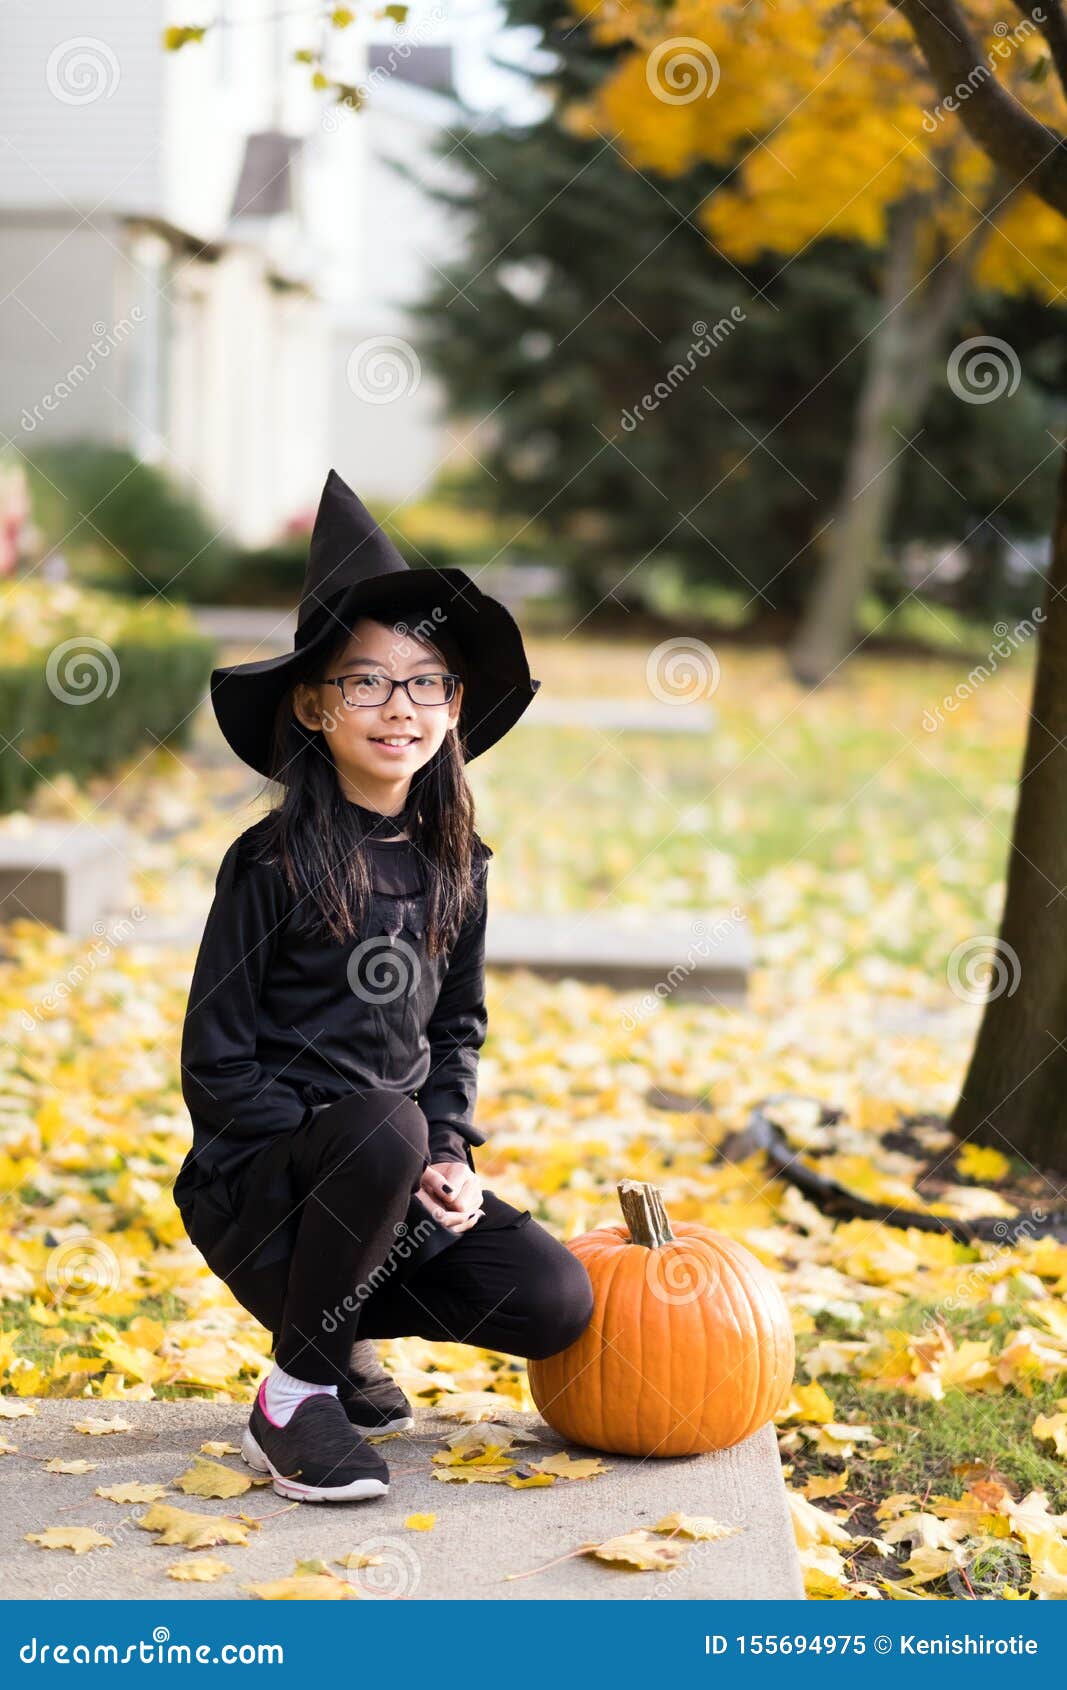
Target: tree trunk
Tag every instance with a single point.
(905, 351)
(1016, 1086)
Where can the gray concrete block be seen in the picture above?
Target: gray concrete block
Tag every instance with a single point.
(66, 874)
(481, 1532)
(684, 956)
(619, 715)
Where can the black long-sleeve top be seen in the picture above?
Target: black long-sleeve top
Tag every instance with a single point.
(281, 1019)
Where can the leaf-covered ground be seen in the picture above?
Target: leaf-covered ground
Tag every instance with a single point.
(925, 1439)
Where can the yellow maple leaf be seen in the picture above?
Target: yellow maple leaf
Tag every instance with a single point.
(101, 1428)
(699, 1526)
(832, 1485)
(475, 1454)
(470, 1405)
(211, 1478)
(15, 1410)
(807, 1402)
(565, 1466)
(356, 1558)
(926, 1564)
(55, 1465)
(132, 1492)
(977, 1162)
(421, 1522)
(310, 1581)
(79, 1538)
(837, 1438)
(813, 1525)
(215, 1446)
(474, 1475)
(204, 1570)
(640, 1549)
(1048, 1565)
(1053, 1427)
(193, 1531)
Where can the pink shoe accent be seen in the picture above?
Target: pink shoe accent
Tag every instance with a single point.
(261, 1398)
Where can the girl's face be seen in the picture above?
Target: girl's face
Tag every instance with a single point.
(378, 747)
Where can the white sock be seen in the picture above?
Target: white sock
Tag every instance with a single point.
(282, 1394)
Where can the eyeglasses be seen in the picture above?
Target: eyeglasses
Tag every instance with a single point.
(370, 692)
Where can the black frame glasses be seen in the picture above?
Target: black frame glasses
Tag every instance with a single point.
(381, 703)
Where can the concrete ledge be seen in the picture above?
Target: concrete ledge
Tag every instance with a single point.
(481, 1532)
(691, 956)
(619, 715)
(64, 873)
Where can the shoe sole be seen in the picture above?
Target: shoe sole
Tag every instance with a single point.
(403, 1423)
(358, 1491)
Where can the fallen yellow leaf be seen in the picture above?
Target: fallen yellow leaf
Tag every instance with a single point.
(640, 1549)
(204, 1570)
(132, 1492)
(211, 1478)
(100, 1428)
(193, 1531)
(700, 1526)
(79, 1538)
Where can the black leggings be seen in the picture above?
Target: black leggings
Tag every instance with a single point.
(329, 1244)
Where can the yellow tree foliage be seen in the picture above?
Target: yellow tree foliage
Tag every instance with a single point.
(824, 116)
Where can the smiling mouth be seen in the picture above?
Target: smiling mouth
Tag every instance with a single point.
(394, 739)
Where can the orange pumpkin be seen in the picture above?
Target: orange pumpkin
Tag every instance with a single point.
(690, 1346)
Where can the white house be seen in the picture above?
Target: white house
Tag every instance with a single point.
(208, 261)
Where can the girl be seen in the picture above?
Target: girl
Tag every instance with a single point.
(336, 1012)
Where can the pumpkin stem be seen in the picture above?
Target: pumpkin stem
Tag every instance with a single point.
(644, 1214)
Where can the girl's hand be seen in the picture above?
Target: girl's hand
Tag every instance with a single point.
(453, 1194)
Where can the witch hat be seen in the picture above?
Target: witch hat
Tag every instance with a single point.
(353, 570)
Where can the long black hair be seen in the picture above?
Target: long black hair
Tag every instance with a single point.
(315, 835)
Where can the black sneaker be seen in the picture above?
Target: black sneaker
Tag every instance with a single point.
(318, 1456)
(372, 1399)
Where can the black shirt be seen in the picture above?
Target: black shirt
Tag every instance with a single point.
(282, 1019)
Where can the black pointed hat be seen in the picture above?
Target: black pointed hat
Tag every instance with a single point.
(354, 570)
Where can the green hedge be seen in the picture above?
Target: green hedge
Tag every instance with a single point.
(130, 676)
(126, 526)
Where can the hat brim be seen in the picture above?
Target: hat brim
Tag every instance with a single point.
(498, 689)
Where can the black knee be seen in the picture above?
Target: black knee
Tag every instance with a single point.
(560, 1308)
(377, 1136)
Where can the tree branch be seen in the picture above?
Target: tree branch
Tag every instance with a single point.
(1054, 30)
(1029, 153)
